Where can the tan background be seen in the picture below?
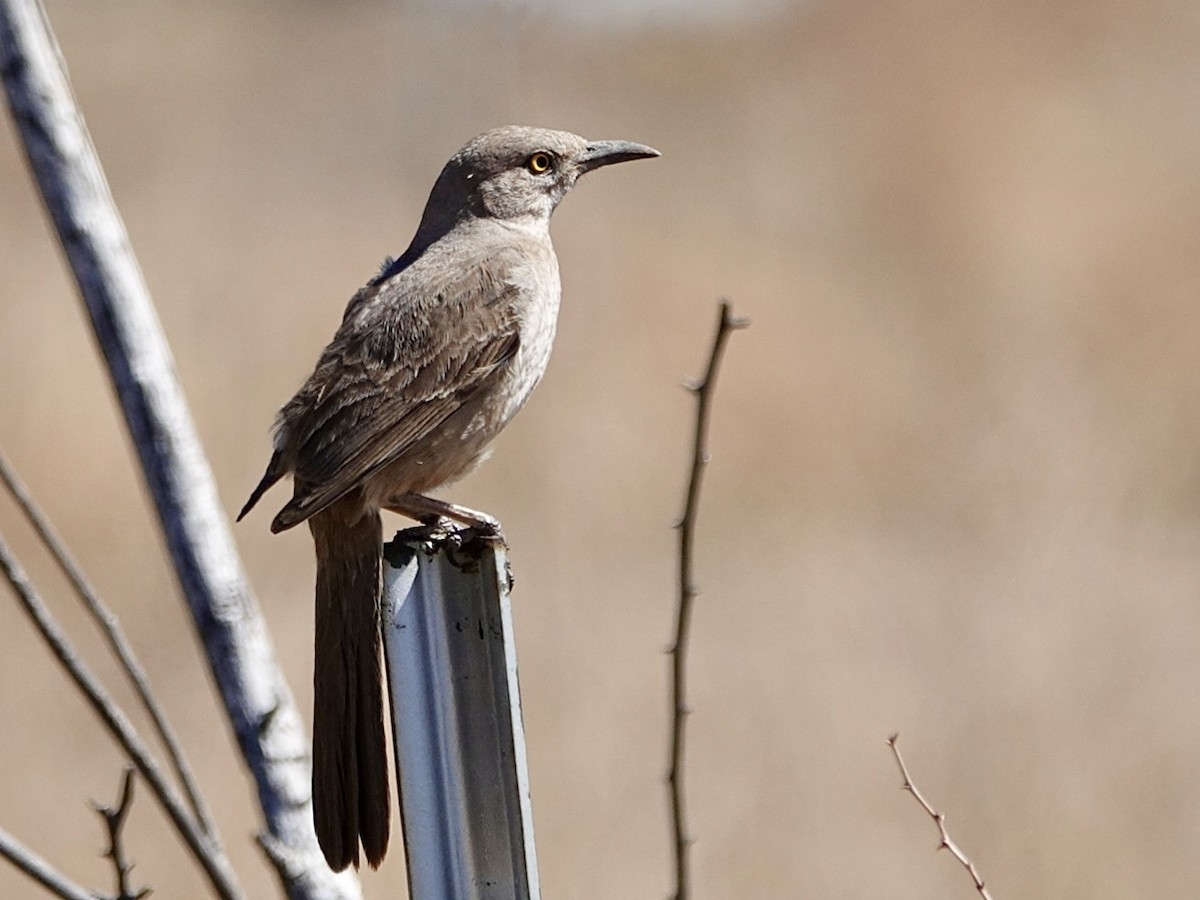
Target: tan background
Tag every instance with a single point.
(955, 481)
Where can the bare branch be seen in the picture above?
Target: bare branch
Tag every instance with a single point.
(40, 870)
(268, 727)
(939, 819)
(703, 389)
(114, 820)
(111, 628)
(204, 847)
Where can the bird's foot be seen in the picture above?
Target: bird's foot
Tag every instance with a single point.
(439, 515)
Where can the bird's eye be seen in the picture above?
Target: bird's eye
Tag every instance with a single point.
(540, 163)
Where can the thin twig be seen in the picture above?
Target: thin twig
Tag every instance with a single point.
(703, 389)
(114, 821)
(260, 708)
(204, 848)
(41, 871)
(111, 628)
(940, 819)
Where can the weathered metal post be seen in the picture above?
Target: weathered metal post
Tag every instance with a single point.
(456, 719)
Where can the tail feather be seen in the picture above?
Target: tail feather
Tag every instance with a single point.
(275, 471)
(350, 775)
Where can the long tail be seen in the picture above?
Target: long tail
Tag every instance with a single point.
(350, 774)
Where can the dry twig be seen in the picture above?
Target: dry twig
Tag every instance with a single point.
(703, 390)
(204, 848)
(114, 820)
(940, 819)
(111, 628)
(61, 886)
(257, 701)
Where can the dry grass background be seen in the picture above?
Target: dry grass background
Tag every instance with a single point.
(955, 487)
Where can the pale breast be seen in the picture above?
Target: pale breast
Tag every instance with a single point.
(537, 295)
(461, 442)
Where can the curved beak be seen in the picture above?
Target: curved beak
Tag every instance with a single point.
(605, 153)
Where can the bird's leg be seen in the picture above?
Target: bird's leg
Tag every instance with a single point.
(429, 510)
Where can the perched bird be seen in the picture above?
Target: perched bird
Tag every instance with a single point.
(433, 357)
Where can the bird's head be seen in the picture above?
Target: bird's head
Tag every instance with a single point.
(518, 172)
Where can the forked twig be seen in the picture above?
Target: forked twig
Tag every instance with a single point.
(111, 628)
(703, 390)
(114, 820)
(940, 819)
(269, 730)
(204, 847)
(57, 883)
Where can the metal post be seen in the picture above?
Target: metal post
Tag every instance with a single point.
(456, 720)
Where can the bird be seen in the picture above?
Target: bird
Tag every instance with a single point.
(433, 357)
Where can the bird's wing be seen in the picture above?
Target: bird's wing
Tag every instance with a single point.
(405, 359)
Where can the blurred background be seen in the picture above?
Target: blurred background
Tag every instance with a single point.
(955, 489)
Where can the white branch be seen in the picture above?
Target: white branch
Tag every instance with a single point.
(260, 708)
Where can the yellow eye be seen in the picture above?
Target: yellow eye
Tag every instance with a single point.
(540, 163)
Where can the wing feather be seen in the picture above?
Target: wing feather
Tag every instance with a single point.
(405, 359)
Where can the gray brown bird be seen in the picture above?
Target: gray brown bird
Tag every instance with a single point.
(433, 357)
